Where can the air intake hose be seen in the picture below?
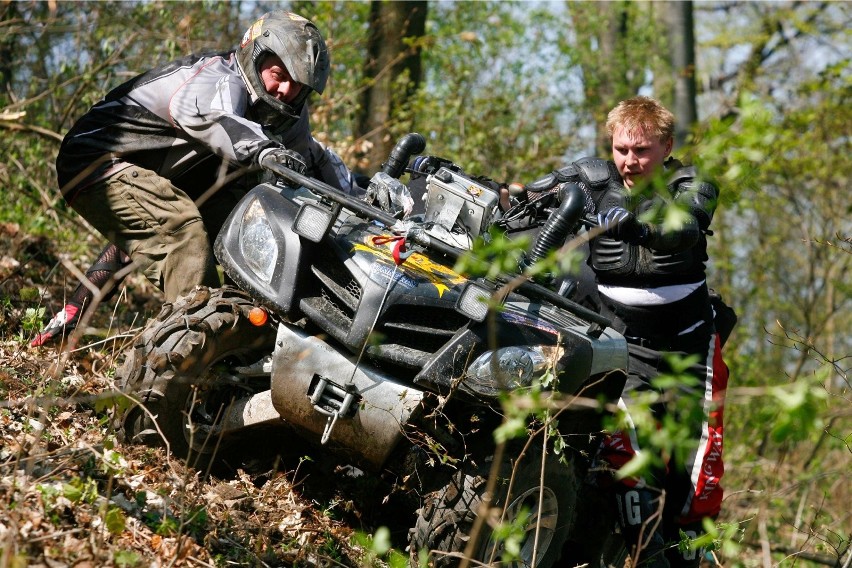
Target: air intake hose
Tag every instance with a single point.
(560, 222)
(408, 145)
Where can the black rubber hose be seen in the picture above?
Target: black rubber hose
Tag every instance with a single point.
(560, 222)
(410, 144)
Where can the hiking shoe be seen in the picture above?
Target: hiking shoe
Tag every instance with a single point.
(63, 322)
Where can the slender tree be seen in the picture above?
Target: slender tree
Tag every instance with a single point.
(8, 16)
(615, 50)
(392, 71)
(682, 46)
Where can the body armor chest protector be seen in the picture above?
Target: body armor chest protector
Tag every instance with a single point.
(616, 262)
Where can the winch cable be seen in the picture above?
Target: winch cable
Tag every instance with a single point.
(400, 254)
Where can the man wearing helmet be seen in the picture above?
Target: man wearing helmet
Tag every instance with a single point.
(157, 165)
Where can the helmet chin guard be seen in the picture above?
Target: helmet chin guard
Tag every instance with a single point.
(300, 46)
(273, 120)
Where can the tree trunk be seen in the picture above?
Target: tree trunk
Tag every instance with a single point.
(8, 14)
(682, 45)
(392, 73)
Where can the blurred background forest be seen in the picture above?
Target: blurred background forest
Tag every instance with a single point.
(513, 90)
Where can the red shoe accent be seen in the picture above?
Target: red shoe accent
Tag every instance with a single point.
(64, 321)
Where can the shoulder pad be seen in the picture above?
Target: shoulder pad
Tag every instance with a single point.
(594, 171)
(568, 173)
(685, 173)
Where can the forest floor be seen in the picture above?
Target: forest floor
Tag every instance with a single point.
(72, 495)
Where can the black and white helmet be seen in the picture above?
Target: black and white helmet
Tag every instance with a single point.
(299, 44)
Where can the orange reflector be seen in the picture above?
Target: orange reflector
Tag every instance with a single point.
(258, 316)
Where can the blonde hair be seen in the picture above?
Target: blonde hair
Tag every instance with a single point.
(641, 114)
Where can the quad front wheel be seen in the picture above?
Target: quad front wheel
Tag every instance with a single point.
(541, 514)
(180, 376)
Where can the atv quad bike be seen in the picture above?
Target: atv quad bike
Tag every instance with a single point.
(352, 329)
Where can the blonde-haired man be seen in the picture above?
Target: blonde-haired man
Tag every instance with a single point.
(650, 280)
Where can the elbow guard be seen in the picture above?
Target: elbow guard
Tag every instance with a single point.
(697, 200)
(698, 197)
(593, 172)
(543, 184)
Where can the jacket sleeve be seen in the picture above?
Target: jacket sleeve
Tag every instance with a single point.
(329, 167)
(210, 108)
(323, 162)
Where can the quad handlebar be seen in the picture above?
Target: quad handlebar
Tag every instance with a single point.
(395, 166)
(357, 205)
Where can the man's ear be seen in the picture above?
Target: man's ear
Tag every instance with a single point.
(669, 146)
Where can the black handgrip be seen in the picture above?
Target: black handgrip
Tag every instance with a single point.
(410, 144)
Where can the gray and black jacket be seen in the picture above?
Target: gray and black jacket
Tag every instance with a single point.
(185, 120)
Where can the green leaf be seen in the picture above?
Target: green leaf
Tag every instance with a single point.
(512, 428)
(114, 520)
(637, 465)
(73, 492)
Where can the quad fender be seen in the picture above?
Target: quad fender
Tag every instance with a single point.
(177, 372)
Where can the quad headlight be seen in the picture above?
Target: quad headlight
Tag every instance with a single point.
(507, 368)
(257, 242)
(473, 302)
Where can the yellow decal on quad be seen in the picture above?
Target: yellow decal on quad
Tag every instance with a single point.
(416, 264)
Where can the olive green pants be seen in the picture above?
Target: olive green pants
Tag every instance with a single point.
(159, 226)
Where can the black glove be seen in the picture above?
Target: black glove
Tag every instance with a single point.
(622, 225)
(427, 165)
(361, 180)
(287, 158)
